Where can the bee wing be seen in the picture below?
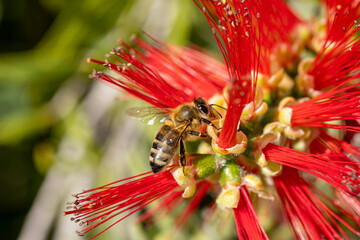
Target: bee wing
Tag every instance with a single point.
(148, 114)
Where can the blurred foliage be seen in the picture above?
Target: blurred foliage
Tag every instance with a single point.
(49, 123)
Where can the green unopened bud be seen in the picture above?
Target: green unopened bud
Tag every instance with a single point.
(205, 166)
(229, 197)
(230, 173)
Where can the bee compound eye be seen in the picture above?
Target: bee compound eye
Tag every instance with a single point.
(203, 108)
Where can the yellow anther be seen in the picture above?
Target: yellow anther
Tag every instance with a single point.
(300, 145)
(272, 169)
(266, 195)
(205, 148)
(303, 32)
(189, 191)
(240, 146)
(274, 128)
(285, 115)
(185, 179)
(261, 80)
(248, 111)
(286, 102)
(305, 82)
(260, 143)
(229, 197)
(260, 158)
(252, 181)
(261, 110)
(265, 139)
(285, 86)
(183, 176)
(305, 65)
(294, 132)
(276, 78)
(259, 96)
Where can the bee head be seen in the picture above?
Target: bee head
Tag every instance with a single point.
(202, 106)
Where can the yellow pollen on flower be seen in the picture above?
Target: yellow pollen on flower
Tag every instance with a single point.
(260, 158)
(261, 142)
(274, 128)
(272, 169)
(229, 197)
(285, 86)
(259, 96)
(294, 132)
(254, 182)
(247, 112)
(240, 146)
(185, 178)
(261, 110)
(255, 185)
(286, 102)
(285, 115)
(276, 78)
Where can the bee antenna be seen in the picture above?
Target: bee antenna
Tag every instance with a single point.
(213, 104)
(212, 107)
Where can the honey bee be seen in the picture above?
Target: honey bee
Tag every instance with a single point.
(183, 121)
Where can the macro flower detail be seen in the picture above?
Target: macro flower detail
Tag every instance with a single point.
(96, 206)
(267, 124)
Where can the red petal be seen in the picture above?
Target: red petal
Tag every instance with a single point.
(247, 223)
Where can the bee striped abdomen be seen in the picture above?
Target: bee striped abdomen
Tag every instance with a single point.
(163, 147)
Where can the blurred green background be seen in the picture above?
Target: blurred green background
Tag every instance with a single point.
(61, 132)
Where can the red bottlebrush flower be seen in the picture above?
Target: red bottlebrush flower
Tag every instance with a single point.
(326, 144)
(173, 200)
(310, 218)
(333, 169)
(245, 40)
(237, 27)
(339, 57)
(254, 128)
(155, 82)
(339, 103)
(97, 206)
(247, 223)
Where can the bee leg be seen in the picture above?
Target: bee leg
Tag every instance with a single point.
(198, 134)
(208, 122)
(182, 155)
(238, 129)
